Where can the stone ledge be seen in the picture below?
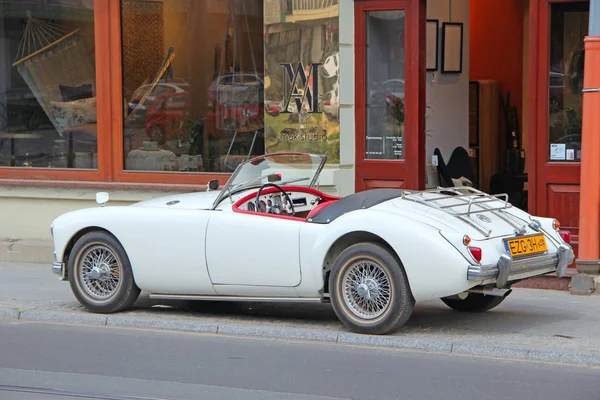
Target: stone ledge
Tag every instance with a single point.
(88, 194)
(26, 251)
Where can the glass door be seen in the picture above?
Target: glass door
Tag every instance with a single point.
(389, 135)
(556, 128)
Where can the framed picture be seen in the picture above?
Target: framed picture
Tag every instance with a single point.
(432, 44)
(452, 48)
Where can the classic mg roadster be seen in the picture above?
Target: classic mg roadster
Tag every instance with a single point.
(269, 234)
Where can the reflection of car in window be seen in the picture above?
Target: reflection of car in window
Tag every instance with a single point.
(165, 114)
(389, 88)
(571, 141)
(159, 89)
(234, 100)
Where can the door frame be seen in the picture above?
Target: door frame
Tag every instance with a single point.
(545, 176)
(387, 172)
(539, 168)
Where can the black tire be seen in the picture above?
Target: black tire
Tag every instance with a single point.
(126, 291)
(474, 302)
(399, 305)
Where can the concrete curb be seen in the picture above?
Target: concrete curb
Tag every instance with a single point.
(303, 334)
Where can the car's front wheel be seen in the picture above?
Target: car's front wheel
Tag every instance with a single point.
(369, 290)
(474, 302)
(100, 274)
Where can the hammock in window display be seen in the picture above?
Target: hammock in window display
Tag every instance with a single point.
(59, 71)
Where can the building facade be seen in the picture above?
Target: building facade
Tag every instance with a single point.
(142, 98)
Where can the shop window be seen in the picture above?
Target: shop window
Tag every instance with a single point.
(385, 85)
(193, 84)
(47, 85)
(302, 68)
(568, 28)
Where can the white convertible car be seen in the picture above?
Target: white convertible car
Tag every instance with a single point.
(270, 235)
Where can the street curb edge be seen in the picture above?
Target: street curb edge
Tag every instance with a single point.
(304, 334)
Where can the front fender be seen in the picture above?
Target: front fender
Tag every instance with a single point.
(165, 247)
(66, 226)
(434, 267)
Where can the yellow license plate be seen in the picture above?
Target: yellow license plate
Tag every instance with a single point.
(527, 245)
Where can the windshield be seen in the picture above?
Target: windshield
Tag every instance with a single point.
(300, 169)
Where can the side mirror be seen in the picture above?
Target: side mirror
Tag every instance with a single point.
(102, 198)
(213, 185)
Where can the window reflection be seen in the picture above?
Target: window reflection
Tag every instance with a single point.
(193, 84)
(568, 28)
(47, 85)
(385, 85)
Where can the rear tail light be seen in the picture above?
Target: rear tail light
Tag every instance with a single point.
(556, 225)
(566, 236)
(476, 253)
(466, 240)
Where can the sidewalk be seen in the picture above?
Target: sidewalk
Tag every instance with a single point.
(531, 324)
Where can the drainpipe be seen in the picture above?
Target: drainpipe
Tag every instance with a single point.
(587, 280)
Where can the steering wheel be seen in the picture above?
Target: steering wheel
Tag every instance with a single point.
(287, 198)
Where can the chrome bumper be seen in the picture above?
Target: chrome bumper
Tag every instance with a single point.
(59, 269)
(508, 268)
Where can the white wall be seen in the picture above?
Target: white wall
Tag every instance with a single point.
(448, 94)
(344, 176)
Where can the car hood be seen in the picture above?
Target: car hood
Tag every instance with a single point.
(192, 201)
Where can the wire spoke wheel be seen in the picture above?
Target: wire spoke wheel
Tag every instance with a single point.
(366, 289)
(100, 272)
(369, 289)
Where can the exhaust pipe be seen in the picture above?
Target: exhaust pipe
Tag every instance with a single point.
(491, 291)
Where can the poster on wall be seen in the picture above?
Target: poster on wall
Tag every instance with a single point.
(302, 78)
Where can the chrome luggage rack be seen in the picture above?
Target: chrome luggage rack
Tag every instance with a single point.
(472, 198)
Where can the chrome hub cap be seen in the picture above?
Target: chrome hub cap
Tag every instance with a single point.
(366, 289)
(100, 272)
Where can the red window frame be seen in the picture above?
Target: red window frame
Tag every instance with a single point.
(109, 89)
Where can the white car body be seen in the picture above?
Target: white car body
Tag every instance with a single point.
(182, 246)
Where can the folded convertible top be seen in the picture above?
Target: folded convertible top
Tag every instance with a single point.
(353, 202)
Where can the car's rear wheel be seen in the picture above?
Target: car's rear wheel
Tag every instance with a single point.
(369, 290)
(100, 274)
(474, 302)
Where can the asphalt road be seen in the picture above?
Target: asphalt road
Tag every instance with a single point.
(111, 363)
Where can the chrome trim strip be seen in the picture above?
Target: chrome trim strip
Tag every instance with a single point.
(59, 269)
(480, 273)
(565, 257)
(506, 267)
(236, 298)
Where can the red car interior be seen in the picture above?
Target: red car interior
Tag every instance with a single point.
(326, 200)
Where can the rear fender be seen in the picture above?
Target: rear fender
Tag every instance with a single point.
(433, 266)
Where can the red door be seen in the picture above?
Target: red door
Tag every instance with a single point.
(390, 93)
(555, 126)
